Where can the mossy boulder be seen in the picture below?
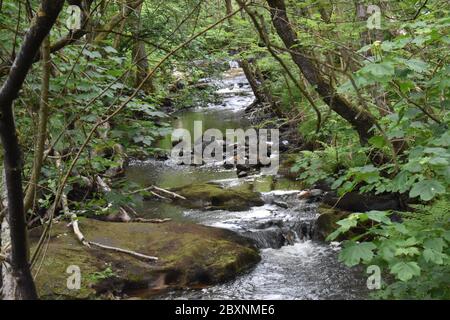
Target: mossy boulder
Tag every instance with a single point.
(214, 197)
(327, 221)
(189, 256)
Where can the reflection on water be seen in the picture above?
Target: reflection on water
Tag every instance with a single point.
(229, 114)
(167, 174)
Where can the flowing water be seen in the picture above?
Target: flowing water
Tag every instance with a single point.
(293, 265)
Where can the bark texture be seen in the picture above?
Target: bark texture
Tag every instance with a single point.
(140, 55)
(18, 256)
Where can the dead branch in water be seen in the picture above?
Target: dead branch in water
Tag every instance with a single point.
(123, 215)
(152, 190)
(173, 194)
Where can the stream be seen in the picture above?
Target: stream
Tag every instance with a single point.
(294, 265)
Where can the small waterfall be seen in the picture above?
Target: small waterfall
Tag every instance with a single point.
(267, 238)
(305, 229)
(288, 234)
(291, 220)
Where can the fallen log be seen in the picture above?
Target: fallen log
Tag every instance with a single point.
(122, 215)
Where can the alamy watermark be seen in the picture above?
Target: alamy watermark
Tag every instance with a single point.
(74, 280)
(374, 280)
(238, 147)
(73, 22)
(374, 20)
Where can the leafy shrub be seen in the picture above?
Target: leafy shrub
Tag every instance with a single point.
(414, 255)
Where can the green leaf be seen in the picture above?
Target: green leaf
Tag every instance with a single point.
(399, 227)
(446, 235)
(408, 242)
(92, 54)
(387, 250)
(158, 114)
(406, 270)
(357, 252)
(338, 182)
(110, 49)
(377, 141)
(438, 161)
(436, 151)
(434, 256)
(409, 251)
(332, 236)
(401, 182)
(436, 244)
(443, 140)
(379, 216)
(426, 189)
(348, 223)
(416, 65)
(380, 70)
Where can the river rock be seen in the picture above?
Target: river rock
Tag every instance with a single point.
(189, 256)
(281, 204)
(312, 194)
(355, 202)
(215, 197)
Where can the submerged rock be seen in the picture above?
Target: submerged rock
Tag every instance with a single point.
(215, 197)
(189, 256)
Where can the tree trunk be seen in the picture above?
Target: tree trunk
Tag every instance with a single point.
(116, 20)
(118, 37)
(261, 92)
(18, 267)
(42, 127)
(229, 10)
(140, 55)
(361, 120)
(251, 77)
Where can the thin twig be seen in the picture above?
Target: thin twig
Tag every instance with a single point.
(143, 220)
